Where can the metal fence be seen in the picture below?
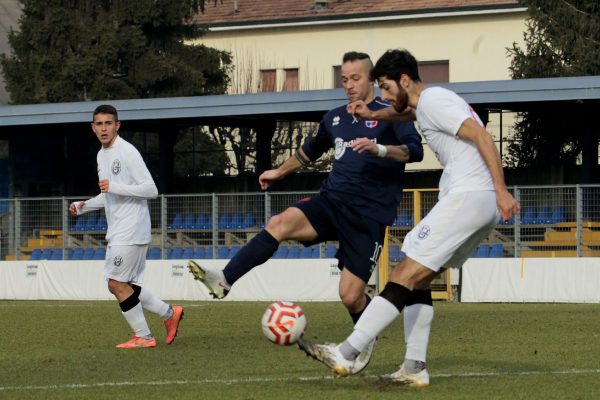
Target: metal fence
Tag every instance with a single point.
(555, 221)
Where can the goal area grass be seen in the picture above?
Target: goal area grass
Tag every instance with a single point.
(65, 350)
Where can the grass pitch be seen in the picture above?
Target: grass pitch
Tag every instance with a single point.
(65, 350)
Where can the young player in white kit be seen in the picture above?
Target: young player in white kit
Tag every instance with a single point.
(473, 197)
(126, 185)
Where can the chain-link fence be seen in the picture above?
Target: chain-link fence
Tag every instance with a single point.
(555, 221)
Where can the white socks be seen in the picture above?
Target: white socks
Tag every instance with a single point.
(376, 317)
(153, 304)
(417, 326)
(137, 321)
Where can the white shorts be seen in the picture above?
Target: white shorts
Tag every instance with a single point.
(452, 230)
(126, 263)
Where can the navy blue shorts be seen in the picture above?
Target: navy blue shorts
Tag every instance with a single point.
(360, 238)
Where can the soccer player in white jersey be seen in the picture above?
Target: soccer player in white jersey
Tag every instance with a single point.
(473, 197)
(125, 186)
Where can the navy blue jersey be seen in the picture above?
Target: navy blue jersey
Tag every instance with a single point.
(371, 184)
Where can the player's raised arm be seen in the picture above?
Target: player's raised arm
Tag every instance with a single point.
(360, 110)
(471, 130)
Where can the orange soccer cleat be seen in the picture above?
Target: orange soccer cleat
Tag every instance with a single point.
(172, 324)
(137, 343)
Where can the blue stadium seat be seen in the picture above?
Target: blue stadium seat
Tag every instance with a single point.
(330, 251)
(82, 222)
(204, 221)
(316, 251)
(544, 216)
(154, 253)
(394, 253)
(233, 251)
(294, 252)
(199, 253)
(397, 221)
(88, 254)
(528, 216)
(249, 220)
(90, 223)
(189, 221)
(70, 253)
(188, 253)
(101, 224)
(99, 253)
(408, 218)
(46, 254)
(482, 251)
(77, 254)
(208, 255)
(36, 254)
(225, 221)
(237, 221)
(282, 251)
(57, 254)
(559, 214)
(176, 253)
(177, 222)
(497, 251)
(306, 252)
(223, 252)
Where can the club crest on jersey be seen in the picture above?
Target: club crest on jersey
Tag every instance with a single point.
(424, 232)
(340, 148)
(117, 261)
(116, 167)
(336, 120)
(371, 124)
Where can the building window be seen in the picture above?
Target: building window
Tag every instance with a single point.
(291, 80)
(267, 80)
(434, 71)
(337, 77)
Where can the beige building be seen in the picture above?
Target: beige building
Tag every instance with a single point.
(298, 44)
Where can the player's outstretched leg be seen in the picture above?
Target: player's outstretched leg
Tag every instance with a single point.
(172, 324)
(330, 355)
(212, 278)
(407, 376)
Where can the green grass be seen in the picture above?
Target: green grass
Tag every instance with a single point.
(65, 350)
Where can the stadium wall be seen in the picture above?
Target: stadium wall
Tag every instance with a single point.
(543, 280)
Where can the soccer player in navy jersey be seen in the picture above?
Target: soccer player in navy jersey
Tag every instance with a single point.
(356, 202)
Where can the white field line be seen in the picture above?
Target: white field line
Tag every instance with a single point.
(275, 379)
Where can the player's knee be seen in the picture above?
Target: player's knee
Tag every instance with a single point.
(352, 298)
(280, 226)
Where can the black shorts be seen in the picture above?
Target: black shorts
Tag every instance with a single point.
(360, 238)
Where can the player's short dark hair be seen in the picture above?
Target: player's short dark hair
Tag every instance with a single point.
(355, 55)
(106, 109)
(394, 63)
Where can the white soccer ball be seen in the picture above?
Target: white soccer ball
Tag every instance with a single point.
(283, 323)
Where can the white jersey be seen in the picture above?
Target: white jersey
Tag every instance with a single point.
(125, 203)
(440, 114)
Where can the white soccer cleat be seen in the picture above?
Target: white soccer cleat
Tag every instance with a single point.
(329, 354)
(364, 358)
(414, 380)
(212, 278)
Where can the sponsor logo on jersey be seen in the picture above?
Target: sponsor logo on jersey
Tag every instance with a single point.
(424, 232)
(117, 261)
(339, 148)
(336, 120)
(371, 124)
(116, 167)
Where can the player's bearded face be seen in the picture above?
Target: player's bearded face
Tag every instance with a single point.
(393, 93)
(401, 101)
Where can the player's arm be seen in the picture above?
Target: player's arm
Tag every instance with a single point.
(472, 131)
(143, 186)
(82, 207)
(361, 110)
(290, 165)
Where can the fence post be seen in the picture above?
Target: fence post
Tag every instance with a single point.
(215, 227)
(163, 226)
(17, 217)
(517, 225)
(579, 219)
(65, 227)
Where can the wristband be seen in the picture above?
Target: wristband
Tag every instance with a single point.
(381, 151)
